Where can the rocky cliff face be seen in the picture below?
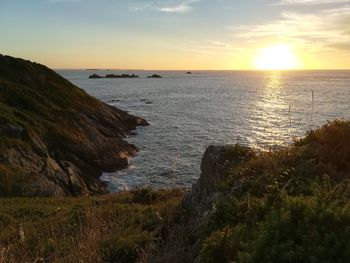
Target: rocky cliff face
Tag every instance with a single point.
(55, 140)
(216, 164)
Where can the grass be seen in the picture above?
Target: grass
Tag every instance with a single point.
(38, 99)
(289, 205)
(111, 228)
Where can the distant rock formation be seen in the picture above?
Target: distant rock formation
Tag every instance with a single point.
(123, 76)
(113, 76)
(154, 76)
(95, 76)
(55, 139)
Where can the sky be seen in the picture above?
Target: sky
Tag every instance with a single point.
(175, 34)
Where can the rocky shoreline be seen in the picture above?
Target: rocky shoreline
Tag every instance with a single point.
(55, 139)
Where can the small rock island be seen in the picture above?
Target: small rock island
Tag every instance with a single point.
(113, 76)
(154, 76)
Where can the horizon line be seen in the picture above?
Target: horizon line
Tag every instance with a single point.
(193, 70)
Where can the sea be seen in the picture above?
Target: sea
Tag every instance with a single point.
(189, 112)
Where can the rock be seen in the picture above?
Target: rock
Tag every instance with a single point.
(112, 101)
(11, 129)
(154, 76)
(113, 76)
(69, 140)
(123, 76)
(215, 166)
(95, 76)
(189, 73)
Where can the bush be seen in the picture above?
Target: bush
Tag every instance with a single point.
(289, 205)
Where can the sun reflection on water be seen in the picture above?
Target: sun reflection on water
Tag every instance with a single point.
(271, 116)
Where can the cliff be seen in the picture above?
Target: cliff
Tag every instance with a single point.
(55, 139)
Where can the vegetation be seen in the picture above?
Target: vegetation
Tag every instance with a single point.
(287, 205)
(290, 205)
(34, 97)
(112, 228)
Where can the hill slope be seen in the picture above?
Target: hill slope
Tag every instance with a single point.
(55, 139)
(287, 205)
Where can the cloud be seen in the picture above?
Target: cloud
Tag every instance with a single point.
(327, 28)
(310, 2)
(177, 6)
(210, 47)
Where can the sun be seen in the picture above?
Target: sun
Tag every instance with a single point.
(276, 57)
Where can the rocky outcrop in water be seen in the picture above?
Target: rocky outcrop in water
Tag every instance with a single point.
(155, 76)
(95, 76)
(113, 76)
(55, 139)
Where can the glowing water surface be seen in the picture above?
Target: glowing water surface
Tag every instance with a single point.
(189, 112)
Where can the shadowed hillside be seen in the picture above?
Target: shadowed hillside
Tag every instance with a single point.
(55, 140)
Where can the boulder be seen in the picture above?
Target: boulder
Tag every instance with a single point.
(216, 165)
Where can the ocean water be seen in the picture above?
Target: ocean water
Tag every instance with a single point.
(188, 113)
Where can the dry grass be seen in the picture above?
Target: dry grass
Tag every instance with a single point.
(111, 228)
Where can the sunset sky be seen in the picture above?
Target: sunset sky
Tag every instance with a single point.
(178, 34)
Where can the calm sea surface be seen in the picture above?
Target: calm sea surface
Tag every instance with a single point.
(187, 113)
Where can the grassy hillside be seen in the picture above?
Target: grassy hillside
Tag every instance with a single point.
(125, 227)
(54, 138)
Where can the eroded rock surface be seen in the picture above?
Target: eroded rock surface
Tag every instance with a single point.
(55, 139)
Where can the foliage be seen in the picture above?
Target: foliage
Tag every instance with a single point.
(38, 99)
(289, 205)
(111, 228)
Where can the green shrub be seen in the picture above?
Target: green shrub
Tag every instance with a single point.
(288, 205)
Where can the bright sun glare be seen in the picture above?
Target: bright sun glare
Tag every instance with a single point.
(276, 57)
